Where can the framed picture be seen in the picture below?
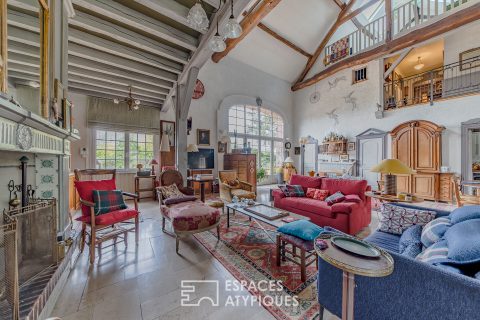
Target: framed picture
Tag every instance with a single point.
(168, 128)
(297, 150)
(344, 157)
(203, 137)
(222, 147)
(67, 114)
(351, 146)
(466, 61)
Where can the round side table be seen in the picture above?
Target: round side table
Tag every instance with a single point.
(352, 265)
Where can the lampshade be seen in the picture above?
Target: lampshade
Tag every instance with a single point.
(392, 166)
(217, 44)
(165, 143)
(153, 162)
(288, 160)
(192, 148)
(197, 18)
(232, 29)
(419, 64)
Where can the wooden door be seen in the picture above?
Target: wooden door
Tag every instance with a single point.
(404, 182)
(403, 146)
(370, 154)
(425, 185)
(426, 150)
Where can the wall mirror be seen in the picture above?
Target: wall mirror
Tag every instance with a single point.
(26, 43)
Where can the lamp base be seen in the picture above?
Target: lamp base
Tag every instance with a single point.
(390, 187)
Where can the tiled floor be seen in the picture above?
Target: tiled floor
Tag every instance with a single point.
(144, 283)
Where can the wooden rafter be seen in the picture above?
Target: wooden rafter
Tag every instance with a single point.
(324, 42)
(357, 11)
(355, 21)
(388, 19)
(248, 23)
(437, 28)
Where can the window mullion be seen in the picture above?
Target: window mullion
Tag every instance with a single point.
(126, 155)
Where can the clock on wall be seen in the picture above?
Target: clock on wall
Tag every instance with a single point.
(199, 90)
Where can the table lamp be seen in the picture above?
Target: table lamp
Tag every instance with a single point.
(391, 167)
(192, 148)
(153, 162)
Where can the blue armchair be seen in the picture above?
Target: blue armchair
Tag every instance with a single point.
(414, 290)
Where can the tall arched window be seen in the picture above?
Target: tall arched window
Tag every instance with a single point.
(260, 129)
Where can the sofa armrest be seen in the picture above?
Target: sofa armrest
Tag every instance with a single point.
(420, 291)
(131, 195)
(246, 186)
(87, 203)
(278, 194)
(344, 207)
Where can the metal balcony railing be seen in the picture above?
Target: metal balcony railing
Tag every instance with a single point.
(451, 80)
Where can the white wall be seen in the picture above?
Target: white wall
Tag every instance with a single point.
(311, 119)
(79, 114)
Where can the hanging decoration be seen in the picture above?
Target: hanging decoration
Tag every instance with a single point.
(315, 96)
(352, 100)
(199, 90)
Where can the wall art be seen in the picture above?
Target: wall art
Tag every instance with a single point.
(334, 116)
(332, 84)
(352, 100)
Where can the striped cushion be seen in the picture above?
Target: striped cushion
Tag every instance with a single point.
(436, 253)
(434, 231)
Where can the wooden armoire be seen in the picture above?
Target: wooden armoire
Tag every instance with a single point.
(418, 144)
(244, 164)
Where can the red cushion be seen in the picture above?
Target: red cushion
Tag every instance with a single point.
(345, 186)
(85, 190)
(352, 198)
(320, 194)
(306, 181)
(111, 217)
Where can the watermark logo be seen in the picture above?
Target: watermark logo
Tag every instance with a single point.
(190, 287)
(269, 293)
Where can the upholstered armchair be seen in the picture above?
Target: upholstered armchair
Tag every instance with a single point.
(231, 186)
(171, 176)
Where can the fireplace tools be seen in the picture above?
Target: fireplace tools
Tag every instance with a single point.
(25, 189)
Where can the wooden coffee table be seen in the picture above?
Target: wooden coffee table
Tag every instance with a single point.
(389, 198)
(277, 223)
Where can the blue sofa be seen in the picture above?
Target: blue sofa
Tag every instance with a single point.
(414, 290)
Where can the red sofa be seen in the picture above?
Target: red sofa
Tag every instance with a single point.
(348, 217)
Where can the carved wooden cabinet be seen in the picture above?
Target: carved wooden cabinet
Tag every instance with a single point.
(418, 144)
(244, 164)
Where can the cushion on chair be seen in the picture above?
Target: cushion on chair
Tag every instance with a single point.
(191, 216)
(302, 229)
(170, 191)
(410, 244)
(465, 213)
(107, 201)
(396, 220)
(85, 190)
(240, 193)
(321, 194)
(335, 198)
(174, 200)
(111, 217)
(436, 253)
(434, 231)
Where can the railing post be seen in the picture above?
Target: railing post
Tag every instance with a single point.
(431, 88)
(389, 20)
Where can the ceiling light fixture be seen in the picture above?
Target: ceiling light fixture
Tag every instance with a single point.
(197, 17)
(217, 44)
(133, 104)
(232, 29)
(419, 64)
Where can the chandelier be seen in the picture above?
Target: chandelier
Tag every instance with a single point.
(132, 103)
(197, 19)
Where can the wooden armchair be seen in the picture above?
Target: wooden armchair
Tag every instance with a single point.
(231, 186)
(107, 226)
(461, 198)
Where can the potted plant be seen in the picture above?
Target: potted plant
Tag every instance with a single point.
(261, 174)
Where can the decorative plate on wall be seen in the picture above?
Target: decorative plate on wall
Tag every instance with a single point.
(314, 97)
(199, 90)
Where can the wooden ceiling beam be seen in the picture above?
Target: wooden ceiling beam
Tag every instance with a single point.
(357, 11)
(355, 21)
(18, 67)
(248, 23)
(107, 70)
(110, 96)
(429, 31)
(139, 21)
(126, 36)
(21, 48)
(23, 21)
(23, 76)
(23, 36)
(311, 62)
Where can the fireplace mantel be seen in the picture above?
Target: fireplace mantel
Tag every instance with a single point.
(22, 130)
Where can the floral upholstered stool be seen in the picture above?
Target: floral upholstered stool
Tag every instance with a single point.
(216, 204)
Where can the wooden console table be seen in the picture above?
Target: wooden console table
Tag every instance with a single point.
(151, 189)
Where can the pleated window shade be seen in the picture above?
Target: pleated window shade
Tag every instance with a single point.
(104, 114)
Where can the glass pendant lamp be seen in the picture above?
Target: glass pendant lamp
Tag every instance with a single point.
(232, 29)
(217, 44)
(197, 17)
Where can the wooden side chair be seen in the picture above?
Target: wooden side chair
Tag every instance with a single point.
(462, 198)
(111, 225)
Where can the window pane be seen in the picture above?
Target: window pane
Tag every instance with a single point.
(110, 149)
(252, 120)
(100, 134)
(239, 143)
(277, 126)
(120, 136)
(111, 135)
(277, 154)
(265, 156)
(265, 123)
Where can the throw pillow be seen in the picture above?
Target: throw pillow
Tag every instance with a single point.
(335, 198)
(477, 275)
(310, 193)
(412, 250)
(295, 191)
(285, 191)
(464, 241)
(436, 253)
(395, 219)
(107, 201)
(175, 200)
(434, 231)
(465, 213)
(234, 183)
(352, 198)
(411, 236)
(170, 191)
(321, 194)
(302, 229)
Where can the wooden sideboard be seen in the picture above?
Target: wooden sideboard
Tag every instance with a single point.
(244, 164)
(196, 186)
(418, 144)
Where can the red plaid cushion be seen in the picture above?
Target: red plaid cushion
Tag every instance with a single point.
(107, 201)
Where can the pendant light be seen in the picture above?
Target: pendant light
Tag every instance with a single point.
(419, 64)
(197, 17)
(232, 29)
(217, 44)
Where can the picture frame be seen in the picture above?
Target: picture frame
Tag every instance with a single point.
(468, 54)
(297, 150)
(67, 114)
(168, 127)
(351, 146)
(203, 137)
(344, 158)
(222, 147)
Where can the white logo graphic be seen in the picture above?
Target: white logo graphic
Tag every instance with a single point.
(189, 287)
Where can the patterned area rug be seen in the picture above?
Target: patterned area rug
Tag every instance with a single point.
(250, 255)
